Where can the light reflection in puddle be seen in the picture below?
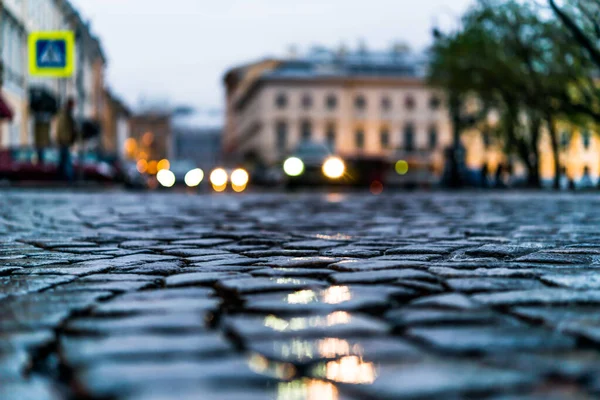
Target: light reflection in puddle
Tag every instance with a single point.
(349, 369)
(334, 347)
(301, 350)
(338, 236)
(331, 295)
(300, 323)
(262, 365)
(302, 297)
(307, 389)
(336, 294)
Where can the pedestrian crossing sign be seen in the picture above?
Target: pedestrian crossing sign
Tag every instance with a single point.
(52, 54)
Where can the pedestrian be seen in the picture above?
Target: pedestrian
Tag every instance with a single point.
(484, 175)
(499, 182)
(66, 133)
(586, 180)
(42, 134)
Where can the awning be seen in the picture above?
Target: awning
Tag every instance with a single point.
(5, 111)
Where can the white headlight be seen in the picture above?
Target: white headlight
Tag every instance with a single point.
(334, 168)
(194, 177)
(165, 177)
(239, 177)
(293, 166)
(218, 177)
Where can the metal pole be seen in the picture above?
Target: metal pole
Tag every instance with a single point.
(80, 99)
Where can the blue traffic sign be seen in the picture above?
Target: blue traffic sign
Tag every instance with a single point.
(51, 53)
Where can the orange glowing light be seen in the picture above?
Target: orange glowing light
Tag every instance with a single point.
(163, 164)
(238, 188)
(219, 188)
(152, 167)
(142, 166)
(130, 146)
(142, 155)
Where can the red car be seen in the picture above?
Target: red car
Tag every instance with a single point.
(20, 164)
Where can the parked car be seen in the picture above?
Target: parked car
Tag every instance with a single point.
(21, 164)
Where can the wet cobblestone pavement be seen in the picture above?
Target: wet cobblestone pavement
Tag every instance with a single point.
(299, 296)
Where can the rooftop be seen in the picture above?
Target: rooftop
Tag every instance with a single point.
(322, 62)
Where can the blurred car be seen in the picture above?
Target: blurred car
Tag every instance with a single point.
(94, 168)
(21, 164)
(180, 169)
(313, 164)
(130, 176)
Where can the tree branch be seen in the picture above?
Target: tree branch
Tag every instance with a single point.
(577, 33)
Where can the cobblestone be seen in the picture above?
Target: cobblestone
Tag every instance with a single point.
(114, 295)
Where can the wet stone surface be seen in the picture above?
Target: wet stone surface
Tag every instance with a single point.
(299, 296)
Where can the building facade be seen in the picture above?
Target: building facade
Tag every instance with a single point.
(86, 86)
(358, 104)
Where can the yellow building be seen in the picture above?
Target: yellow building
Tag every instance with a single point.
(359, 104)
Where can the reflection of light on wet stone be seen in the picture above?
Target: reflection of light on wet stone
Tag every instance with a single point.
(306, 389)
(300, 323)
(333, 347)
(351, 369)
(336, 294)
(302, 297)
(279, 370)
(331, 295)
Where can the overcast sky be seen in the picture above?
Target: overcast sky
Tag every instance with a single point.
(179, 49)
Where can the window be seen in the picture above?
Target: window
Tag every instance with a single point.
(410, 103)
(307, 101)
(305, 131)
(331, 102)
(281, 132)
(386, 103)
(360, 102)
(435, 102)
(409, 137)
(359, 139)
(586, 138)
(433, 137)
(281, 101)
(384, 138)
(330, 137)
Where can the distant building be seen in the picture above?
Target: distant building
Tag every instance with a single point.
(197, 137)
(358, 103)
(115, 124)
(202, 146)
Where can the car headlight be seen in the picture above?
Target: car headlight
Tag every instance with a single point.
(239, 177)
(334, 168)
(293, 166)
(218, 177)
(194, 177)
(165, 177)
